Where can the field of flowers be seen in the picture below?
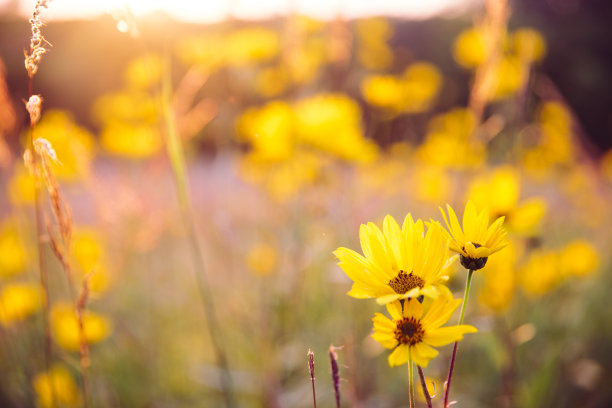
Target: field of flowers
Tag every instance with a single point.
(301, 213)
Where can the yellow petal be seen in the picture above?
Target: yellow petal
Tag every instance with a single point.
(447, 335)
(422, 353)
(399, 356)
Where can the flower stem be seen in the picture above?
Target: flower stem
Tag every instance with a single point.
(468, 283)
(410, 382)
(179, 169)
(424, 386)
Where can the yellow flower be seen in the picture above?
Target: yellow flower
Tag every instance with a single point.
(471, 47)
(477, 240)
(541, 273)
(13, 254)
(579, 258)
(251, 46)
(144, 71)
(18, 301)
(66, 327)
(398, 264)
(529, 44)
(56, 388)
(262, 259)
(73, 144)
(497, 290)
(414, 328)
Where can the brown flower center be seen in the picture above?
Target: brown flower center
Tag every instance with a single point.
(404, 282)
(408, 331)
(473, 263)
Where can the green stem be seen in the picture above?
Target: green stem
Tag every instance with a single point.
(179, 170)
(468, 283)
(461, 316)
(410, 382)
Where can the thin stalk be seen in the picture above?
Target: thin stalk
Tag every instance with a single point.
(424, 386)
(179, 169)
(468, 283)
(410, 382)
(42, 261)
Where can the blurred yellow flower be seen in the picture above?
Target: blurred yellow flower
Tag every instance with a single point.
(527, 217)
(251, 46)
(205, 51)
(497, 190)
(134, 141)
(372, 34)
(397, 263)
(541, 273)
(144, 72)
(269, 130)
(449, 142)
(476, 241)
(384, 91)
(283, 179)
(332, 123)
(497, 290)
(555, 145)
(412, 92)
(508, 75)
(13, 254)
(529, 44)
(66, 326)
(431, 184)
(90, 255)
(271, 81)
(21, 186)
(471, 47)
(262, 258)
(579, 258)
(18, 301)
(56, 389)
(74, 145)
(414, 328)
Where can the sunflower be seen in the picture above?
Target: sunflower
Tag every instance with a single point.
(397, 263)
(415, 327)
(477, 240)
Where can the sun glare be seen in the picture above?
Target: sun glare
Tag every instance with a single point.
(210, 11)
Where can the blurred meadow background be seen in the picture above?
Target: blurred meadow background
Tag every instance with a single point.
(209, 161)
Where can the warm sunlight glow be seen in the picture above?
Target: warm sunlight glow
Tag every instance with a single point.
(210, 11)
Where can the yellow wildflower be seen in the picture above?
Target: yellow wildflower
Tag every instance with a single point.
(18, 301)
(497, 291)
(477, 240)
(398, 263)
(262, 259)
(13, 255)
(90, 257)
(74, 145)
(66, 326)
(251, 45)
(56, 388)
(471, 47)
(529, 44)
(579, 258)
(21, 186)
(144, 72)
(541, 273)
(414, 328)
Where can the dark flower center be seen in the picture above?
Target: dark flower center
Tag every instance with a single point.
(404, 282)
(408, 331)
(473, 263)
